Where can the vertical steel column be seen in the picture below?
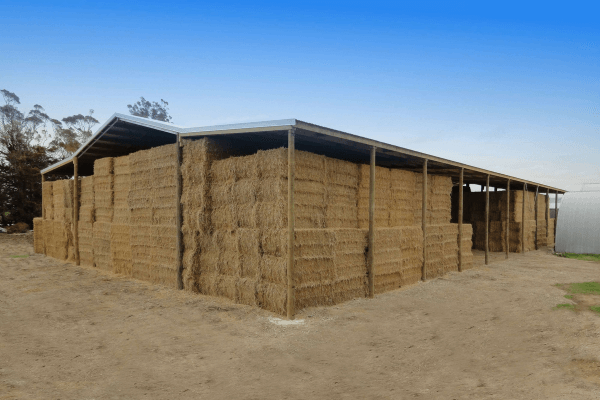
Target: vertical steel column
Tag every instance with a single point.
(291, 285)
(507, 230)
(536, 217)
(547, 217)
(76, 208)
(371, 253)
(424, 221)
(178, 213)
(487, 220)
(43, 208)
(555, 213)
(523, 220)
(460, 217)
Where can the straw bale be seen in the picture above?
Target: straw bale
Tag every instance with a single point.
(350, 249)
(38, 235)
(121, 165)
(103, 166)
(102, 252)
(349, 289)
(272, 190)
(164, 216)
(121, 215)
(271, 215)
(59, 240)
(120, 246)
(86, 243)
(341, 173)
(274, 242)
(86, 214)
(309, 167)
(340, 215)
(48, 199)
(247, 291)
(272, 297)
(272, 163)
(209, 253)
(313, 296)
(382, 177)
(227, 287)
(411, 240)
(273, 269)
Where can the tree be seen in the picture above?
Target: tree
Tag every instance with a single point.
(153, 110)
(77, 131)
(22, 157)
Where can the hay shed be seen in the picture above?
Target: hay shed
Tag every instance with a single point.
(578, 223)
(281, 214)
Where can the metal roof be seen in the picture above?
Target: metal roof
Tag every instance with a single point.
(123, 134)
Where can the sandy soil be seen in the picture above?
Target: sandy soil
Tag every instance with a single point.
(70, 332)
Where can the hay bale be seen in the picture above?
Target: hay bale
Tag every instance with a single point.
(48, 200)
(101, 241)
(38, 235)
(411, 245)
(120, 248)
(86, 243)
(272, 297)
(103, 166)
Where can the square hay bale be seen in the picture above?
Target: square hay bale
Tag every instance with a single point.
(314, 295)
(247, 291)
(101, 241)
(350, 251)
(411, 239)
(38, 235)
(48, 200)
(274, 241)
(272, 297)
(120, 247)
(309, 167)
(103, 166)
(341, 173)
(272, 163)
(273, 269)
(348, 289)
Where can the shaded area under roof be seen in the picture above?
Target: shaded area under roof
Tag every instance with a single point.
(125, 134)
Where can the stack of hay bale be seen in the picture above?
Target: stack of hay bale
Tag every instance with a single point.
(404, 201)
(388, 259)
(140, 205)
(466, 246)
(497, 224)
(442, 249)
(38, 235)
(47, 226)
(103, 212)
(383, 196)
(349, 259)
(152, 202)
(411, 244)
(341, 207)
(61, 240)
(197, 158)
(120, 246)
(86, 221)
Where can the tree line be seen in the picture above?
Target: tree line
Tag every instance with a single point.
(31, 141)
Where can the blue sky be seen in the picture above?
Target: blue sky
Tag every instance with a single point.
(512, 87)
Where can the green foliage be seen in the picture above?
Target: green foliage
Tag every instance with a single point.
(567, 306)
(595, 309)
(584, 288)
(569, 296)
(583, 257)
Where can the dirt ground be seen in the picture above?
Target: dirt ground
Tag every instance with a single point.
(70, 332)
